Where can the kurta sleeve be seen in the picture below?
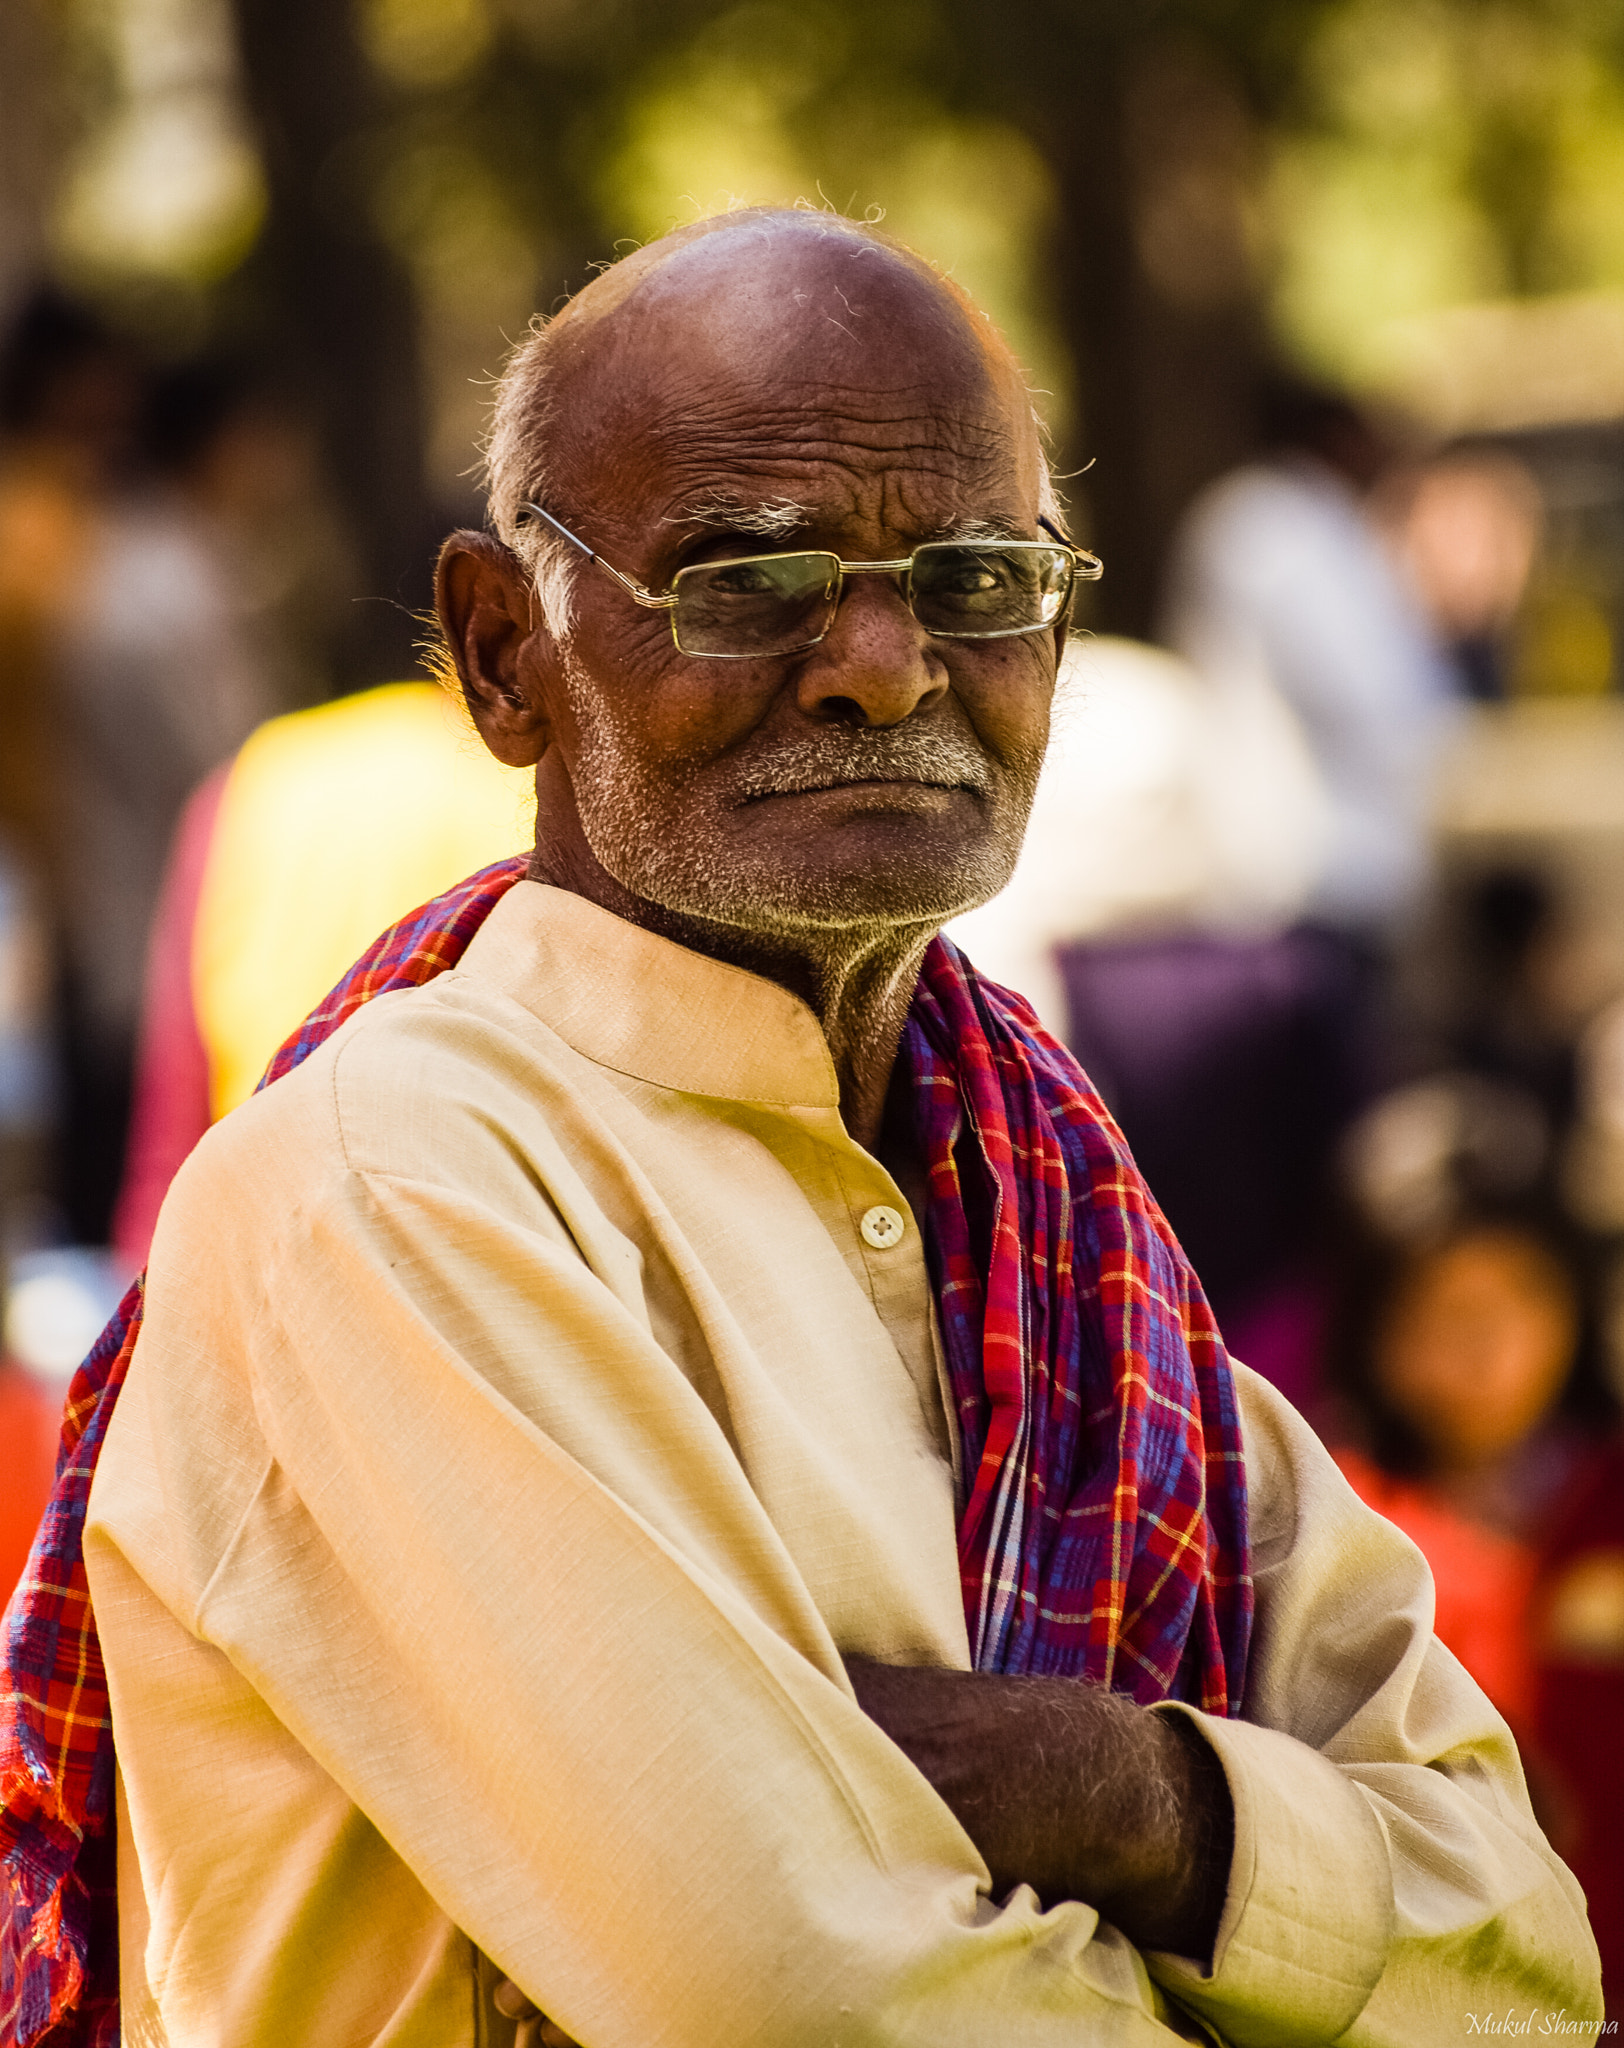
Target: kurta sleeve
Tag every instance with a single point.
(1390, 1885)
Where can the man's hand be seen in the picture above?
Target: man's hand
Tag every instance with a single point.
(1072, 1790)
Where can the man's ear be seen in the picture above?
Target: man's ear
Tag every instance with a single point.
(488, 614)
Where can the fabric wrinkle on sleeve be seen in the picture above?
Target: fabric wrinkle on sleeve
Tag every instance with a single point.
(1297, 1957)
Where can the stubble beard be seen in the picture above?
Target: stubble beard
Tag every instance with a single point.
(662, 835)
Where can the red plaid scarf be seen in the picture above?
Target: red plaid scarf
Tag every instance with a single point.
(1104, 1534)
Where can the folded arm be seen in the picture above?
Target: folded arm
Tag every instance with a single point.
(1354, 1859)
(1072, 1790)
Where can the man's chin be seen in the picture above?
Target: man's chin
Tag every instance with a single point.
(905, 895)
(867, 871)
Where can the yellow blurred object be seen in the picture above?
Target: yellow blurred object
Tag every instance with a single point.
(1565, 645)
(335, 822)
(425, 42)
(1584, 1621)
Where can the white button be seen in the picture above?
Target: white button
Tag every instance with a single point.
(882, 1227)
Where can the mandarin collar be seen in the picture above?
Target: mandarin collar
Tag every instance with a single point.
(642, 1005)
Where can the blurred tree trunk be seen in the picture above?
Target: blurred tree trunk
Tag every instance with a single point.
(1143, 109)
(1150, 278)
(34, 133)
(339, 306)
(1157, 293)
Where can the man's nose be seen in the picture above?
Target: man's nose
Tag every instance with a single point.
(876, 665)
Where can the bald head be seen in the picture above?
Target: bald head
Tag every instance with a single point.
(750, 317)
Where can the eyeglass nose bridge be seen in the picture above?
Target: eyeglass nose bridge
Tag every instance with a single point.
(901, 569)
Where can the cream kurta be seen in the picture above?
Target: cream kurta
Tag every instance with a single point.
(520, 1429)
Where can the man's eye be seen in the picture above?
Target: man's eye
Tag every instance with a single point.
(743, 579)
(974, 578)
(969, 578)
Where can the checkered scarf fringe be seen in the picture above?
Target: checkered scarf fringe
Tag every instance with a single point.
(1104, 1534)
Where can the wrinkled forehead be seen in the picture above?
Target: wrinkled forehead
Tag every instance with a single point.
(788, 364)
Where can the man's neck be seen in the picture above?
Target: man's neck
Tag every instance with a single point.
(857, 981)
(859, 985)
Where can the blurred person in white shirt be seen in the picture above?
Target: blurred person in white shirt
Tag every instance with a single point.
(1279, 572)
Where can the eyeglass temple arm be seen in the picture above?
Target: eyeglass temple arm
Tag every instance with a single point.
(642, 596)
(1087, 567)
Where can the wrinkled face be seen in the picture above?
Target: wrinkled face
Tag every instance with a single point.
(1478, 1345)
(836, 402)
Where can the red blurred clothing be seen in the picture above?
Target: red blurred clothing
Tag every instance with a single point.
(171, 1108)
(1484, 1581)
(29, 1422)
(1578, 1630)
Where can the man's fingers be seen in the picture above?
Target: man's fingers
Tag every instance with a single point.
(535, 2030)
(512, 2003)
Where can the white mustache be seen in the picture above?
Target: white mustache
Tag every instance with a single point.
(842, 755)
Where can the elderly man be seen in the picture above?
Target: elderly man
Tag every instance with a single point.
(673, 1473)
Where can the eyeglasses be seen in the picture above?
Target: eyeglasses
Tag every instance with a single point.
(754, 606)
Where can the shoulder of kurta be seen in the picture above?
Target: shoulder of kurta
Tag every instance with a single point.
(267, 1158)
(1298, 1498)
(1281, 1454)
(1344, 1654)
(420, 1084)
(451, 1083)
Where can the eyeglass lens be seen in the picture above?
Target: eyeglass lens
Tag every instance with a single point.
(770, 604)
(779, 604)
(975, 592)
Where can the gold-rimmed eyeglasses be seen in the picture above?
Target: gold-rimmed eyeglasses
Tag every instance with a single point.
(751, 607)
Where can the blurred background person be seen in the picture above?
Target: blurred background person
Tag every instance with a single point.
(327, 826)
(1474, 1401)
(69, 399)
(1465, 1353)
(70, 391)
(1466, 527)
(161, 675)
(1279, 569)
